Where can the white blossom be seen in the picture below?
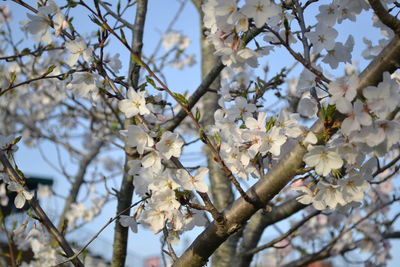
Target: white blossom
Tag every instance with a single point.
(129, 221)
(272, 141)
(78, 48)
(322, 38)
(343, 92)
(328, 196)
(323, 159)
(22, 194)
(260, 10)
(134, 105)
(189, 182)
(137, 137)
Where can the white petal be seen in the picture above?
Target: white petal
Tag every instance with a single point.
(19, 201)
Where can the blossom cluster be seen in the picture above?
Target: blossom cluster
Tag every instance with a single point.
(169, 189)
(366, 132)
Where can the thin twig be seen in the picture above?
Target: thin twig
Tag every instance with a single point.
(101, 230)
(44, 219)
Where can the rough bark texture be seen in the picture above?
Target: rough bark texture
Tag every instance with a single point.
(277, 178)
(126, 191)
(221, 189)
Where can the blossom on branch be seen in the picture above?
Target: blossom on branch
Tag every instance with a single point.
(134, 105)
(324, 159)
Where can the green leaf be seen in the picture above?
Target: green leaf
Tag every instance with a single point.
(20, 173)
(114, 126)
(181, 99)
(331, 110)
(72, 3)
(49, 70)
(119, 7)
(16, 140)
(270, 124)
(13, 76)
(151, 81)
(25, 51)
(218, 139)
(136, 120)
(19, 256)
(202, 135)
(198, 115)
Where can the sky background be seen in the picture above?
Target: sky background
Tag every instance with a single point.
(160, 13)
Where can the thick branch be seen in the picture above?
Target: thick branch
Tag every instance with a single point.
(264, 190)
(384, 16)
(221, 188)
(126, 191)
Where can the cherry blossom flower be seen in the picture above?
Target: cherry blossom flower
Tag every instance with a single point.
(328, 196)
(170, 145)
(353, 188)
(22, 194)
(227, 9)
(327, 14)
(310, 139)
(189, 182)
(307, 196)
(241, 108)
(60, 23)
(164, 181)
(272, 141)
(137, 137)
(78, 48)
(129, 221)
(257, 125)
(308, 107)
(84, 83)
(288, 124)
(324, 159)
(165, 200)
(260, 10)
(322, 38)
(343, 92)
(115, 63)
(39, 25)
(383, 98)
(153, 217)
(134, 105)
(340, 53)
(357, 117)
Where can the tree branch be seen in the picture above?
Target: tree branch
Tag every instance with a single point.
(258, 223)
(285, 235)
(44, 219)
(384, 16)
(126, 191)
(277, 178)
